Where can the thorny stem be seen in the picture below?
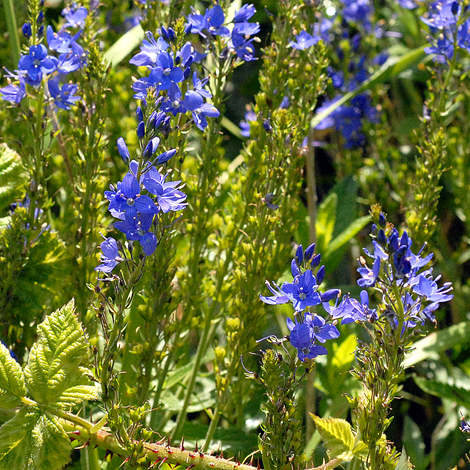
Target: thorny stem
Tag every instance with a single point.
(154, 452)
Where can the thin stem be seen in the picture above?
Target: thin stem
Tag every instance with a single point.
(14, 42)
(212, 427)
(201, 349)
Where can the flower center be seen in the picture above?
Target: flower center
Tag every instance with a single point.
(167, 71)
(130, 202)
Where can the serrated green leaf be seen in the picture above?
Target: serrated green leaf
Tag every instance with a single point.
(337, 436)
(325, 222)
(124, 46)
(80, 392)
(16, 437)
(32, 440)
(53, 373)
(12, 382)
(429, 347)
(404, 462)
(12, 176)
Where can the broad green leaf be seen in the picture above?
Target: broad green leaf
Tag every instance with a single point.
(33, 441)
(438, 341)
(325, 223)
(404, 462)
(53, 372)
(12, 383)
(382, 75)
(81, 392)
(337, 436)
(124, 46)
(12, 176)
(51, 445)
(16, 438)
(343, 355)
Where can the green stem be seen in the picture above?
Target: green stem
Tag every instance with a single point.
(201, 349)
(14, 42)
(212, 427)
(156, 452)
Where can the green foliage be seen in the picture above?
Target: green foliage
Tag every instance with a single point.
(340, 441)
(12, 383)
(34, 439)
(438, 342)
(12, 176)
(53, 373)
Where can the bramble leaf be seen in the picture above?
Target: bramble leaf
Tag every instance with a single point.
(12, 383)
(12, 176)
(337, 436)
(404, 462)
(53, 373)
(33, 441)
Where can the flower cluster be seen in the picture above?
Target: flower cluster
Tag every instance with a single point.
(49, 65)
(170, 68)
(448, 28)
(398, 274)
(309, 329)
(410, 294)
(142, 196)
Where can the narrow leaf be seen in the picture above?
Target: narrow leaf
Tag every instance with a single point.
(12, 382)
(345, 236)
(387, 71)
(455, 393)
(124, 46)
(337, 436)
(429, 347)
(325, 223)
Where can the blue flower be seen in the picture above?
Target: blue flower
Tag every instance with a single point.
(278, 298)
(302, 338)
(169, 197)
(442, 14)
(243, 48)
(244, 13)
(139, 230)
(321, 331)
(63, 97)
(14, 93)
(75, 17)
(465, 426)
(174, 104)
(37, 62)
(110, 257)
(194, 102)
(150, 50)
(165, 73)
(427, 288)
(303, 291)
(129, 201)
(304, 41)
(61, 42)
